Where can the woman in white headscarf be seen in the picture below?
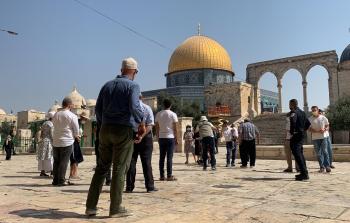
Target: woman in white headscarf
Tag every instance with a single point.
(44, 156)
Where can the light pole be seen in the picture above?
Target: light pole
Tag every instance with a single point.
(9, 32)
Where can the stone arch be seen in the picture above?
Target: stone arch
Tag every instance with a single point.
(302, 63)
(267, 84)
(291, 75)
(318, 79)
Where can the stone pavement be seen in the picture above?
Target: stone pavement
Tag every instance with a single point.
(262, 194)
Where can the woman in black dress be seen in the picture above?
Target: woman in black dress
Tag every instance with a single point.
(8, 147)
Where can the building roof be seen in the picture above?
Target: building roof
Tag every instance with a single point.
(198, 52)
(345, 56)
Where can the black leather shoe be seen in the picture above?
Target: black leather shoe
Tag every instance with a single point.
(152, 190)
(301, 177)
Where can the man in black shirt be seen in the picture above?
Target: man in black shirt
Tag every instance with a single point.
(298, 125)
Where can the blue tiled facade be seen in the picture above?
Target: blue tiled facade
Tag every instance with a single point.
(189, 85)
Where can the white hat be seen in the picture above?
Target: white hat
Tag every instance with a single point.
(129, 63)
(203, 118)
(50, 114)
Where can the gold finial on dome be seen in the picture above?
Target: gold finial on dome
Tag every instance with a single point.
(199, 29)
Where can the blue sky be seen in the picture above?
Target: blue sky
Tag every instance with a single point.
(61, 43)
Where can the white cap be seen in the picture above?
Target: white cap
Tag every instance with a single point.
(203, 118)
(129, 63)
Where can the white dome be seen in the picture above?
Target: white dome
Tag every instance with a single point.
(55, 107)
(2, 112)
(77, 99)
(91, 102)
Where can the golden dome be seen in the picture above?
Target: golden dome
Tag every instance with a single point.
(77, 99)
(199, 52)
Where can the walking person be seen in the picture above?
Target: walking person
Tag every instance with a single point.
(298, 125)
(118, 111)
(66, 130)
(287, 149)
(166, 129)
(249, 135)
(217, 136)
(198, 148)
(318, 128)
(44, 153)
(235, 137)
(143, 147)
(227, 133)
(205, 129)
(189, 143)
(8, 147)
(329, 143)
(77, 156)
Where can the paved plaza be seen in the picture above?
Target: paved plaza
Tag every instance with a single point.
(262, 194)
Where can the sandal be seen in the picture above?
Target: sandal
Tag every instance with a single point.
(171, 178)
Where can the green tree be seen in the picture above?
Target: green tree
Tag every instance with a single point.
(5, 129)
(184, 109)
(338, 115)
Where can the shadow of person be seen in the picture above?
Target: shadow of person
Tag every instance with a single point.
(263, 179)
(46, 214)
(51, 214)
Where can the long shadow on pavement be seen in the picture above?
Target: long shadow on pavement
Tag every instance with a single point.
(263, 179)
(46, 214)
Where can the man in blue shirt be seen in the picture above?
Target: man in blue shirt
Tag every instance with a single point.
(144, 148)
(248, 134)
(118, 111)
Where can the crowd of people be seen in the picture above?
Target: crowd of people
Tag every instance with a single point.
(124, 132)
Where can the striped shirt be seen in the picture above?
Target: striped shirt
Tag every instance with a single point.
(248, 131)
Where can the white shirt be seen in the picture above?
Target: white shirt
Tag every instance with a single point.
(166, 120)
(288, 135)
(228, 134)
(235, 132)
(66, 127)
(318, 123)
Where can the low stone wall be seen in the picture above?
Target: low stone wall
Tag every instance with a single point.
(341, 153)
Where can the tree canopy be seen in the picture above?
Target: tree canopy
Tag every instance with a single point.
(338, 114)
(182, 109)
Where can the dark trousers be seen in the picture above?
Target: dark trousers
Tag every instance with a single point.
(231, 148)
(166, 149)
(144, 149)
(60, 162)
(208, 145)
(8, 153)
(296, 144)
(248, 152)
(116, 146)
(97, 153)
